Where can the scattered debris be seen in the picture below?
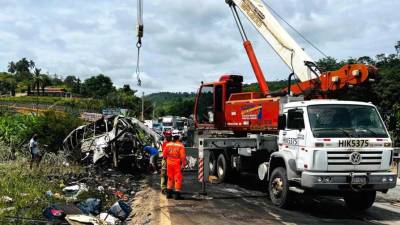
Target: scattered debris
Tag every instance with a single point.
(53, 213)
(72, 192)
(6, 199)
(104, 195)
(8, 209)
(82, 219)
(109, 219)
(90, 206)
(120, 210)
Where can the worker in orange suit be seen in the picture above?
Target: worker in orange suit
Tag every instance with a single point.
(175, 156)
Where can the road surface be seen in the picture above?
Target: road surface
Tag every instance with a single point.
(245, 202)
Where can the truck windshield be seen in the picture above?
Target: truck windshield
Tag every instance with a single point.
(345, 121)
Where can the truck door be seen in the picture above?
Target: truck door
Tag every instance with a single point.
(219, 106)
(295, 135)
(204, 111)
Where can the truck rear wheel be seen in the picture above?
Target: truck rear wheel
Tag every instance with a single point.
(278, 186)
(360, 200)
(212, 165)
(222, 169)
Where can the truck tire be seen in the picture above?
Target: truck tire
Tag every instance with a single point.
(360, 200)
(223, 168)
(212, 164)
(278, 187)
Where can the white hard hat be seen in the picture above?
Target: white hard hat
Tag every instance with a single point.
(175, 133)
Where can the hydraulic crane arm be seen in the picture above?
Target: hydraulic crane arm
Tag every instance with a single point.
(283, 44)
(313, 83)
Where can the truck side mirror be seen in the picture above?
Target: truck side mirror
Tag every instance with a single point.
(281, 122)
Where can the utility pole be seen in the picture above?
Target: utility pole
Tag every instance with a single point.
(154, 109)
(142, 106)
(398, 48)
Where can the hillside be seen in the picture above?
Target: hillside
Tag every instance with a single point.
(182, 103)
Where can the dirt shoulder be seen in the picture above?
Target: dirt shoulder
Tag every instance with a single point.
(146, 206)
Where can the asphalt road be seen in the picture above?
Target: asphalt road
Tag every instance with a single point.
(245, 202)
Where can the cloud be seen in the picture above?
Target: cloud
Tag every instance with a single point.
(185, 42)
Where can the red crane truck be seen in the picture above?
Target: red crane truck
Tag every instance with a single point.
(297, 140)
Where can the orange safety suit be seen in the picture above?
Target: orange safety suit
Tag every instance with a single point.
(175, 155)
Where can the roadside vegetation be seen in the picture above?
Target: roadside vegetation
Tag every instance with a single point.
(51, 127)
(22, 190)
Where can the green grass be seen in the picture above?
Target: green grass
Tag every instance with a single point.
(77, 103)
(27, 187)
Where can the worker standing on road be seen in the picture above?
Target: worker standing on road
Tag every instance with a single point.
(175, 155)
(163, 175)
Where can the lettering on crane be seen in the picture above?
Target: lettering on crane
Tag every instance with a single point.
(251, 112)
(253, 12)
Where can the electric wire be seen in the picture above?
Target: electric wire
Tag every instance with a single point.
(298, 32)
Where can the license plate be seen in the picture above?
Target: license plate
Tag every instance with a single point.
(358, 180)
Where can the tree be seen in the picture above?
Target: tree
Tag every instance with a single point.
(45, 82)
(328, 64)
(37, 80)
(23, 69)
(73, 84)
(97, 86)
(127, 89)
(366, 60)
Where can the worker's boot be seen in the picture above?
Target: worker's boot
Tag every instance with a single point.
(169, 193)
(177, 195)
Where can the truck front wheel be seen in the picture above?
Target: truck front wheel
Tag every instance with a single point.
(212, 165)
(360, 200)
(222, 168)
(279, 188)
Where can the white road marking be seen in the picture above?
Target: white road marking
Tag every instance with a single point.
(165, 217)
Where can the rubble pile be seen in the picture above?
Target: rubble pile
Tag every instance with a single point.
(96, 197)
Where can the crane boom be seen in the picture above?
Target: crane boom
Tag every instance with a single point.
(282, 43)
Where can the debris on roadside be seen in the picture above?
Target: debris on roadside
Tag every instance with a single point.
(6, 199)
(90, 206)
(109, 219)
(120, 210)
(72, 192)
(97, 195)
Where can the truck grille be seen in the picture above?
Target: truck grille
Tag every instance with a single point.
(343, 158)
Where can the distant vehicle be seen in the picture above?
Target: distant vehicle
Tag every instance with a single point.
(149, 123)
(157, 127)
(168, 123)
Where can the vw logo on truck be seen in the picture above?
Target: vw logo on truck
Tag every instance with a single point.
(355, 158)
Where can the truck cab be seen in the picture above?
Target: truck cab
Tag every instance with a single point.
(342, 147)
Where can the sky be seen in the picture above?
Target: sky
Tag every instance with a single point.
(185, 41)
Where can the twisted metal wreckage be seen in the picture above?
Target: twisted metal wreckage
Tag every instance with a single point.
(111, 139)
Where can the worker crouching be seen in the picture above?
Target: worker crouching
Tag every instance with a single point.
(175, 156)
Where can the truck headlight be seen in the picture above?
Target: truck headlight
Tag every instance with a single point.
(391, 179)
(384, 179)
(319, 144)
(387, 144)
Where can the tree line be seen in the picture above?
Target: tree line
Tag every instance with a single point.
(25, 76)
